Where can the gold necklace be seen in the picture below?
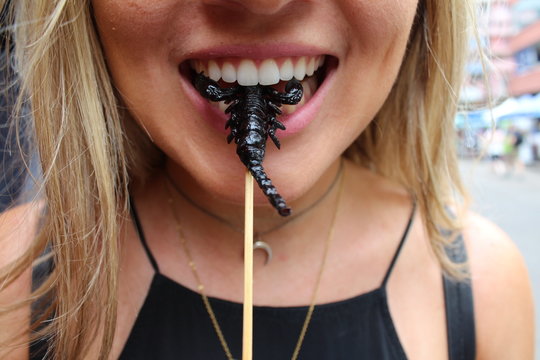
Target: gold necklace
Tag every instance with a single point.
(202, 292)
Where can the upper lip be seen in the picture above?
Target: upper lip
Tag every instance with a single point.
(257, 51)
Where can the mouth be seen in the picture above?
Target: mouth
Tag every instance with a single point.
(313, 71)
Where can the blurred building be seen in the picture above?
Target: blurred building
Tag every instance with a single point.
(508, 69)
(525, 47)
(509, 35)
(492, 67)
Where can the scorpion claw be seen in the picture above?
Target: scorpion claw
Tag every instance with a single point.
(293, 84)
(292, 95)
(293, 92)
(211, 90)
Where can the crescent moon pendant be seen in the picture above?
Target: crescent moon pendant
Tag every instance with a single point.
(259, 244)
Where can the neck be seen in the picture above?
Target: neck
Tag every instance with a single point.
(199, 202)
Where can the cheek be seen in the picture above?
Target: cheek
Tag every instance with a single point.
(138, 29)
(378, 19)
(380, 27)
(121, 21)
(135, 35)
(141, 40)
(378, 33)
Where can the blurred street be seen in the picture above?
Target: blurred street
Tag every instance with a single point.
(513, 202)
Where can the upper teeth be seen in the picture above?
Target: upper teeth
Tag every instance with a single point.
(248, 72)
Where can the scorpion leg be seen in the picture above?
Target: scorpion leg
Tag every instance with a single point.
(272, 120)
(275, 107)
(279, 125)
(275, 140)
(232, 107)
(232, 110)
(211, 90)
(233, 123)
(273, 125)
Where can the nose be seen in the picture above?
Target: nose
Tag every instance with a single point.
(257, 7)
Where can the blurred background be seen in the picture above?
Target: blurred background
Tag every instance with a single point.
(499, 147)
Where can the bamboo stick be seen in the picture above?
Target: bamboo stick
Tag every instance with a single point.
(247, 342)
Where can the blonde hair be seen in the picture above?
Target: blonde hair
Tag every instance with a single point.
(412, 138)
(82, 144)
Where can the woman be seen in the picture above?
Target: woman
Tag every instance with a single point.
(142, 196)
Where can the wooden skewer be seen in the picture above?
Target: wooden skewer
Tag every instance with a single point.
(247, 343)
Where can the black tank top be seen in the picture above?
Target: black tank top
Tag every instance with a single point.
(173, 323)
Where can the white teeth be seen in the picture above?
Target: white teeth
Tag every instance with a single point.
(300, 69)
(310, 67)
(195, 64)
(286, 72)
(228, 72)
(247, 74)
(213, 70)
(268, 72)
(202, 68)
(309, 85)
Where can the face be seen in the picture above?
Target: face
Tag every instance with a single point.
(355, 48)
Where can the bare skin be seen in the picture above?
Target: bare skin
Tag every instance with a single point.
(360, 247)
(17, 229)
(503, 312)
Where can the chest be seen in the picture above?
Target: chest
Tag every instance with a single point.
(409, 319)
(174, 323)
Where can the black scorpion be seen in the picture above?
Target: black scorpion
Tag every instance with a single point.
(253, 117)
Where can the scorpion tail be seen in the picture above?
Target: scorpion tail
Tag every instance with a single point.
(258, 173)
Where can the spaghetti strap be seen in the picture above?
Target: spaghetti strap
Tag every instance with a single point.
(400, 246)
(140, 233)
(458, 299)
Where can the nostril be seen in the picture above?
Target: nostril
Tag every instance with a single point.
(258, 7)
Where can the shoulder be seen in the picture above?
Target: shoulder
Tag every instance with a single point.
(17, 230)
(502, 293)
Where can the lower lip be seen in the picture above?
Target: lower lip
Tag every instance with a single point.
(294, 122)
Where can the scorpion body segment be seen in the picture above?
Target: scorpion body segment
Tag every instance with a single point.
(253, 117)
